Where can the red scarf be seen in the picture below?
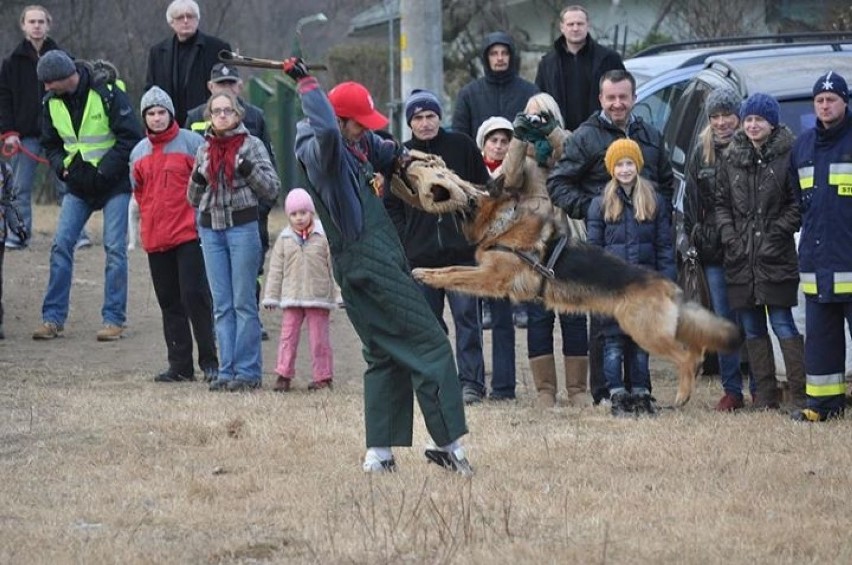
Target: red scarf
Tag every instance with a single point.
(491, 163)
(164, 136)
(222, 153)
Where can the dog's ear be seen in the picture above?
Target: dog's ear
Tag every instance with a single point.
(495, 186)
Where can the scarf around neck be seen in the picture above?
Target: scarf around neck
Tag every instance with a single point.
(222, 154)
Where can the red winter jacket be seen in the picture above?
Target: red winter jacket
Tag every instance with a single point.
(161, 166)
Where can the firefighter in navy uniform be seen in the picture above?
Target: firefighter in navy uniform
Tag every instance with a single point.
(821, 163)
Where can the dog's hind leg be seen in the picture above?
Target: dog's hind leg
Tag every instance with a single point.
(688, 366)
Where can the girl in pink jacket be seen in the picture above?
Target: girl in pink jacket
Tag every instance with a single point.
(300, 282)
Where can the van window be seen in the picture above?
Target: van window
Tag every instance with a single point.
(798, 114)
(655, 109)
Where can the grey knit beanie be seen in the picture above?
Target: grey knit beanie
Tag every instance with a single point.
(723, 101)
(156, 96)
(55, 65)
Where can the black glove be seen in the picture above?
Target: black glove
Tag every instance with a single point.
(82, 176)
(245, 167)
(522, 126)
(296, 68)
(543, 122)
(198, 178)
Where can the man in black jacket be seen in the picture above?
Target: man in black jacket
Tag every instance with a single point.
(501, 92)
(571, 72)
(181, 64)
(581, 173)
(20, 108)
(89, 129)
(432, 240)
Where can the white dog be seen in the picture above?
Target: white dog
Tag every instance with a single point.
(132, 224)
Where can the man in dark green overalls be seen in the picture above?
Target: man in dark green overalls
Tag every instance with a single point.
(404, 346)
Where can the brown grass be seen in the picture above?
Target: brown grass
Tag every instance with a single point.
(109, 471)
(100, 465)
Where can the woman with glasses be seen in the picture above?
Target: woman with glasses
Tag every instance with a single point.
(232, 171)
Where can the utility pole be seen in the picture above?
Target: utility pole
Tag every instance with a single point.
(421, 48)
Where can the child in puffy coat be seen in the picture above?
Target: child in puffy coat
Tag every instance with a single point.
(300, 282)
(628, 220)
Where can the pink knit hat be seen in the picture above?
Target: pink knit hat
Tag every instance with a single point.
(297, 200)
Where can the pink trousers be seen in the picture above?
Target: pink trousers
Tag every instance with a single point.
(318, 335)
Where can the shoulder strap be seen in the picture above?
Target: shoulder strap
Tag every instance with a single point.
(107, 94)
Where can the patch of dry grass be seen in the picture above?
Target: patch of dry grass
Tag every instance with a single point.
(108, 469)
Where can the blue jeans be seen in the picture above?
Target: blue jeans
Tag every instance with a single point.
(729, 363)
(616, 348)
(754, 321)
(503, 350)
(540, 320)
(231, 259)
(72, 217)
(465, 311)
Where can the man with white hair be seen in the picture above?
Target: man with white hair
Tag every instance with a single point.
(181, 64)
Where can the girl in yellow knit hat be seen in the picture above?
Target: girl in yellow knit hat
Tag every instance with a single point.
(628, 220)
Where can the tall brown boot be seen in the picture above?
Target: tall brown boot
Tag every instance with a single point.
(544, 375)
(793, 351)
(576, 375)
(762, 362)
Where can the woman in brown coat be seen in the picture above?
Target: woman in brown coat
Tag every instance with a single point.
(534, 149)
(757, 215)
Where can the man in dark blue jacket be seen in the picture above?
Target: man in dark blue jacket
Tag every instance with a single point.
(820, 166)
(432, 240)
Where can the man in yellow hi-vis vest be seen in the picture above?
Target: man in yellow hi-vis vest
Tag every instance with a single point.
(88, 131)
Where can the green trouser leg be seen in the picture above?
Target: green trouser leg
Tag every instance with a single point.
(388, 400)
(405, 349)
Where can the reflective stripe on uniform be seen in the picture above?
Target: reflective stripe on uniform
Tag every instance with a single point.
(825, 385)
(840, 174)
(808, 283)
(93, 140)
(806, 178)
(842, 283)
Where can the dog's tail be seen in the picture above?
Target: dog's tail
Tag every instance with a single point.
(698, 327)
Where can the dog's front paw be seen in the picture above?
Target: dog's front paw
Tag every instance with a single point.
(419, 274)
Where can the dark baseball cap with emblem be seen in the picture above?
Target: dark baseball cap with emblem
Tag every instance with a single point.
(224, 73)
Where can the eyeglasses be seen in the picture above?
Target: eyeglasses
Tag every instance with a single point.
(184, 17)
(222, 112)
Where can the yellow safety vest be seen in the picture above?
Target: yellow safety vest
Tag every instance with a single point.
(95, 137)
(200, 127)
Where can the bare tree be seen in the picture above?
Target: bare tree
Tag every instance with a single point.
(715, 18)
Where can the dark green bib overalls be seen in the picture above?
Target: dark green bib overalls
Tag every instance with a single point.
(403, 344)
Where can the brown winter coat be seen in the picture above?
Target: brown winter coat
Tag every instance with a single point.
(757, 214)
(300, 273)
(524, 175)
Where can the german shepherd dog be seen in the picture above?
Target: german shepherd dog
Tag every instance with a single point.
(524, 253)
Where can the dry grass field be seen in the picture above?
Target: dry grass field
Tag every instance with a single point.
(98, 464)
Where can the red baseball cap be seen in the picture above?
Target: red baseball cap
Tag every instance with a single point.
(352, 100)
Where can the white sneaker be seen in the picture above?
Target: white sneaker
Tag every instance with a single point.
(373, 464)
